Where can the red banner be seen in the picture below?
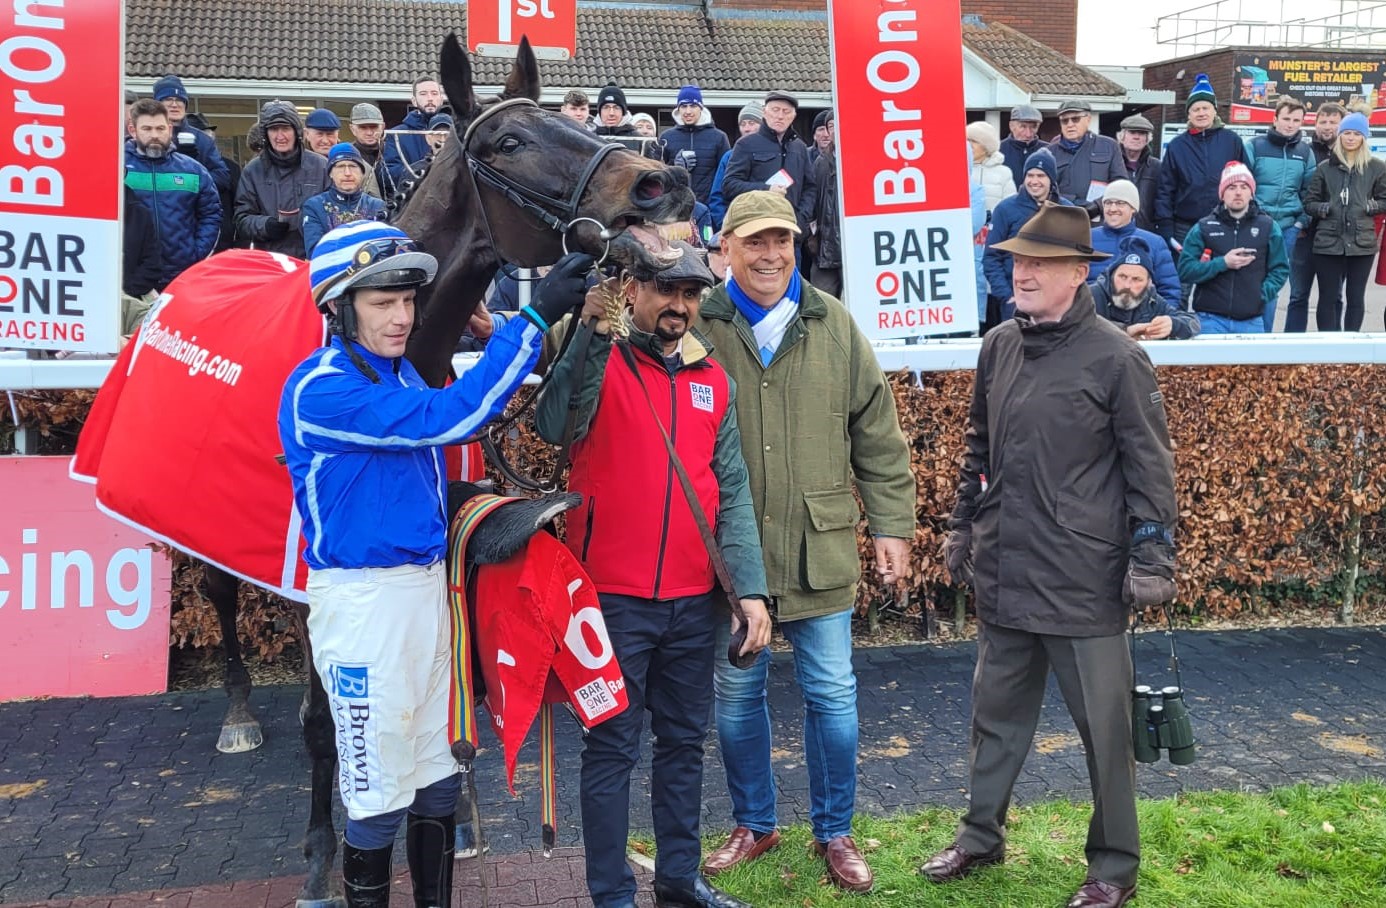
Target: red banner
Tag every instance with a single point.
(495, 27)
(84, 601)
(60, 85)
(182, 438)
(902, 166)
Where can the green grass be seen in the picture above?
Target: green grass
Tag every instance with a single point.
(1298, 847)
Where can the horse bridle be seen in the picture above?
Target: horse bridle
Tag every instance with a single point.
(559, 215)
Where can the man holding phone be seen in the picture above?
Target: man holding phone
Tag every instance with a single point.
(1235, 259)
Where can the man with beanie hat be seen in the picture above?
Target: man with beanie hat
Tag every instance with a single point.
(276, 183)
(695, 144)
(321, 130)
(1023, 141)
(1125, 294)
(823, 125)
(1120, 206)
(1087, 162)
(188, 139)
(747, 122)
(1039, 186)
(1142, 167)
(613, 116)
(774, 158)
(1067, 430)
(1191, 167)
(1234, 260)
(346, 201)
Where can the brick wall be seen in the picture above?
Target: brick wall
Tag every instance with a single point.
(1051, 22)
(1221, 73)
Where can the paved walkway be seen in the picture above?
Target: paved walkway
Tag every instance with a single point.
(107, 803)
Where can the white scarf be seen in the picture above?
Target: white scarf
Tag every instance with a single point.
(769, 331)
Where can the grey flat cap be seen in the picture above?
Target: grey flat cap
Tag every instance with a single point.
(1026, 114)
(1138, 123)
(1075, 105)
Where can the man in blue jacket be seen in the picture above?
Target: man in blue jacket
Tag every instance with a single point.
(188, 140)
(1192, 166)
(1282, 165)
(1120, 206)
(695, 144)
(178, 191)
(406, 144)
(361, 434)
(1023, 141)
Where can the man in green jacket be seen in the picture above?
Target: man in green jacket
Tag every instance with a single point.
(817, 417)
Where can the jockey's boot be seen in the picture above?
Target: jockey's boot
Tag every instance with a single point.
(366, 874)
(429, 843)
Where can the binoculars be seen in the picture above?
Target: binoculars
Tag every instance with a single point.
(1160, 721)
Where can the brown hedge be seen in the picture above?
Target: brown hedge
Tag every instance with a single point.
(1281, 481)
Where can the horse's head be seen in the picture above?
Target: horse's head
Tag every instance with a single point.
(544, 181)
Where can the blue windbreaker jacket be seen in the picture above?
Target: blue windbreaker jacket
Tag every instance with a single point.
(364, 458)
(182, 197)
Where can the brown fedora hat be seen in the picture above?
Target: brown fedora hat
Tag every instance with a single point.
(1056, 231)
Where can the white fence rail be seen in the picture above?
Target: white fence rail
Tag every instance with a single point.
(18, 373)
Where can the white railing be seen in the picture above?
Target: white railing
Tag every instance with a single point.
(20, 374)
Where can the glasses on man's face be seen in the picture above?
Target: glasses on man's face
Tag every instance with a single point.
(1076, 118)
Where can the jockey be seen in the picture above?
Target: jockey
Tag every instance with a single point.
(361, 434)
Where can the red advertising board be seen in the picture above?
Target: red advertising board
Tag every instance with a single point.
(495, 27)
(60, 84)
(903, 168)
(84, 600)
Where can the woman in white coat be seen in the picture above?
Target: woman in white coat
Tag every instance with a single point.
(988, 164)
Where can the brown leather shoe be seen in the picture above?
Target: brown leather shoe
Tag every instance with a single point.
(846, 866)
(956, 862)
(1097, 894)
(741, 846)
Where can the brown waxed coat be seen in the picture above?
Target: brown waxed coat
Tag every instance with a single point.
(1068, 425)
(817, 421)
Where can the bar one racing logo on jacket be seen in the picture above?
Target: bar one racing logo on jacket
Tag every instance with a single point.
(356, 732)
(912, 277)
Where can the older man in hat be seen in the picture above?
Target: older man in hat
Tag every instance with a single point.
(1023, 141)
(1087, 162)
(1063, 524)
(1142, 167)
(817, 419)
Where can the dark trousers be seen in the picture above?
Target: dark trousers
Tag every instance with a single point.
(1332, 271)
(1094, 675)
(665, 649)
(828, 280)
(1181, 230)
(1301, 283)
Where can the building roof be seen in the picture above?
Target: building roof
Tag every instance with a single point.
(1034, 66)
(649, 47)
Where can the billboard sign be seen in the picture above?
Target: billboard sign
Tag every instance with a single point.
(903, 178)
(1314, 78)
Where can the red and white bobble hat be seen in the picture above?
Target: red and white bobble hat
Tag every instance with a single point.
(1235, 172)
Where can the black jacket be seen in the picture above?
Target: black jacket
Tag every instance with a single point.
(1185, 324)
(274, 188)
(759, 156)
(1098, 159)
(1146, 176)
(698, 149)
(826, 212)
(1237, 294)
(1068, 427)
(1344, 204)
(142, 261)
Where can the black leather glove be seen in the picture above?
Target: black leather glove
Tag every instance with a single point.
(276, 229)
(1093, 208)
(1148, 585)
(562, 290)
(957, 555)
(187, 142)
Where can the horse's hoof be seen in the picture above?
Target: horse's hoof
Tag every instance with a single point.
(240, 738)
(335, 901)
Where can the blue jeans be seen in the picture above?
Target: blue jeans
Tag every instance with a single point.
(1301, 282)
(1220, 324)
(823, 668)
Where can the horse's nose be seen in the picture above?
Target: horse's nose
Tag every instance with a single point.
(648, 191)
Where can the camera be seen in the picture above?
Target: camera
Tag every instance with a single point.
(1160, 721)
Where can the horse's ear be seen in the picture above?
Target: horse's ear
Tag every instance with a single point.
(456, 72)
(523, 81)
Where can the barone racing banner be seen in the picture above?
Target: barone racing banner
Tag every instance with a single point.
(903, 171)
(182, 438)
(61, 112)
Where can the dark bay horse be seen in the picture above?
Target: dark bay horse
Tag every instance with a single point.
(518, 184)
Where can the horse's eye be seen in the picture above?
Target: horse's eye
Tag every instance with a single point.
(509, 145)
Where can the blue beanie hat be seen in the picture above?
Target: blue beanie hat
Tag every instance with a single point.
(170, 87)
(345, 151)
(1133, 251)
(323, 119)
(1042, 159)
(1356, 122)
(690, 94)
(441, 121)
(1202, 91)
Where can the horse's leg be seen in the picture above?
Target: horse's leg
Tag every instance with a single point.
(320, 842)
(240, 730)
